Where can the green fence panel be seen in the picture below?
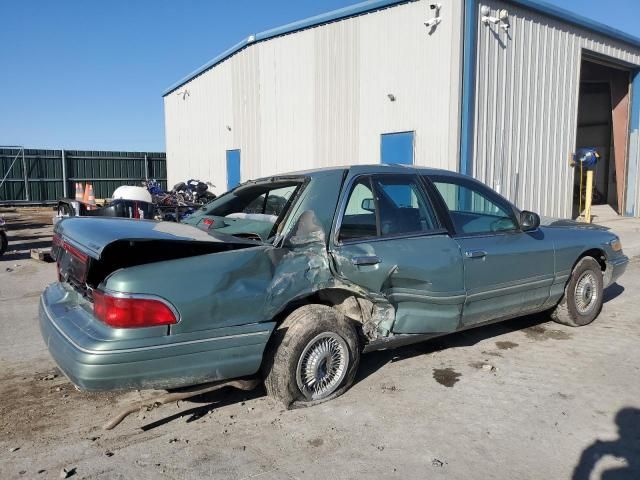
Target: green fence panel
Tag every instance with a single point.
(105, 170)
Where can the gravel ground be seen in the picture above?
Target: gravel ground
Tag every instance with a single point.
(524, 399)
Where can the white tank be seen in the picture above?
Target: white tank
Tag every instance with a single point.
(127, 192)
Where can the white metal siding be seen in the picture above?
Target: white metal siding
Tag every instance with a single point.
(318, 97)
(527, 105)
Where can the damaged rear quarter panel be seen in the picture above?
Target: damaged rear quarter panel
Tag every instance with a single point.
(252, 285)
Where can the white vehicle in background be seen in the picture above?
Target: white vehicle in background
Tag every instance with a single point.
(127, 202)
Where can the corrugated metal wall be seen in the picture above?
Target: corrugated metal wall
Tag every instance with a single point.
(527, 105)
(318, 97)
(105, 170)
(632, 206)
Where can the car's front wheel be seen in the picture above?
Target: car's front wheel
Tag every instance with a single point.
(312, 358)
(582, 299)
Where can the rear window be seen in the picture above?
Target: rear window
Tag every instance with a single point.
(270, 199)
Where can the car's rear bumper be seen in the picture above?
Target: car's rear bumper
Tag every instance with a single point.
(93, 362)
(615, 268)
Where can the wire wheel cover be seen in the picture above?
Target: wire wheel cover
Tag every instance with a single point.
(586, 293)
(322, 366)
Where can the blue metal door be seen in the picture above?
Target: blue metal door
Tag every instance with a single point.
(397, 148)
(233, 168)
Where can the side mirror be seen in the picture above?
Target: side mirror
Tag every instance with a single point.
(368, 204)
(529, 221)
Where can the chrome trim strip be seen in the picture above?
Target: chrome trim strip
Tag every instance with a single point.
(616, 262)
(141, 349)
(561, 278)
(547, 281)
(440, 300)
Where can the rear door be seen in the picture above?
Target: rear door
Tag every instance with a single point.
(507, 271)
(389, 239)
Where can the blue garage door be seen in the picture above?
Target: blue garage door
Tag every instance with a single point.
(233, 168)
(397, 148)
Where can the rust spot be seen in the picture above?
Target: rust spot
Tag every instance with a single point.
(538, 332)
(446, 376)
(316, 442)
(506, 345)
(493, 354)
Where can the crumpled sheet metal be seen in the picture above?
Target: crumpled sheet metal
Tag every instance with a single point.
(253, 284)
(305, 268)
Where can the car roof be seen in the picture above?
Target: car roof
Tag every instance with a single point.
(362, 169)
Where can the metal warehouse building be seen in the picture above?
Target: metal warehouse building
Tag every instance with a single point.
(505, 91)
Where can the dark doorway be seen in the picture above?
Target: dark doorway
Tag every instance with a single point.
(603, 123)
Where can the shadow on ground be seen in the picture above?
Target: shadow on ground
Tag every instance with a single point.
(22, 251)
(625, 447)
(612, 292)
(376, 360)
(211, 401)
(17, 225)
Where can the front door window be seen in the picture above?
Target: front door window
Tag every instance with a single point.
(473, 209)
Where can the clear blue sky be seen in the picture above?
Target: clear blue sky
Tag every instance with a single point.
(81, 74)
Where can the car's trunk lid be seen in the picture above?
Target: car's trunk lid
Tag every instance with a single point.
(93, 235)
(88, 249)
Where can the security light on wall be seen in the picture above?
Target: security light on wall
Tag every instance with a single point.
(435, 21)
(391, 96)
(502, 19)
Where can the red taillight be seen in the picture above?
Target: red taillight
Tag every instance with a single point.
(57, 240)
(208, 222)
(83, 257)
(131, 312)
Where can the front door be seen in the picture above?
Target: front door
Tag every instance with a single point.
(389, 240)
(507, 271)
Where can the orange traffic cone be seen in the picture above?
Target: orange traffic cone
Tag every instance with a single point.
(85, 196)
(78, 191)
(92, 197)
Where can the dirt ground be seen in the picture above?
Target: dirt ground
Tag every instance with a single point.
(523, 399)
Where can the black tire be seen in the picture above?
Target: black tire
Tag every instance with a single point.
(571, 310)
(3, 243)
(299, 334)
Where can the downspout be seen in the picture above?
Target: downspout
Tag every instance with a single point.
(469, 45)
(631, 199)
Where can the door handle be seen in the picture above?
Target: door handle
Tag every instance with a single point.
(475, 254)
(365, 260)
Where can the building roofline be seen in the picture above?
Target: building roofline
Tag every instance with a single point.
(334, 15)
(577, 20)
(372, 5)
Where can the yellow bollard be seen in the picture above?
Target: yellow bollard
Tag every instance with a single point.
(588, 195)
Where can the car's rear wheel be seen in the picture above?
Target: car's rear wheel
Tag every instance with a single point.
(582, 299)
(312, 358)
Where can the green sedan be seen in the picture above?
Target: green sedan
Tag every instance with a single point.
(294, 277)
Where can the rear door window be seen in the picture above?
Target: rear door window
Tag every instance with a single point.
(386, 206)
(359, 219)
